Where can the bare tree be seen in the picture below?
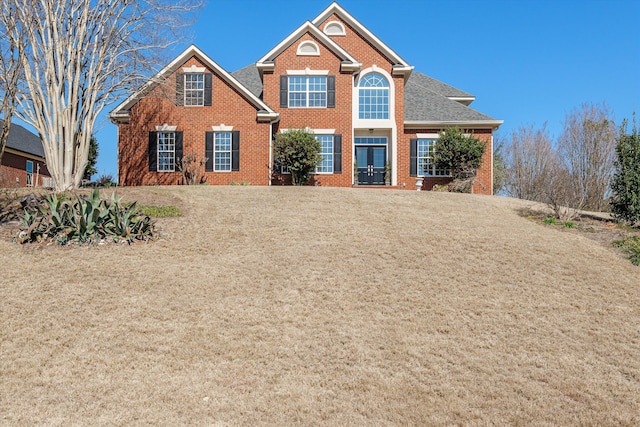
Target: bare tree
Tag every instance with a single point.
(79, 57)
(530, 161)
(588, 147)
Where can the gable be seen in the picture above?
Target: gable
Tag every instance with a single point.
(308, 33)
(335, 16)
(193, 59)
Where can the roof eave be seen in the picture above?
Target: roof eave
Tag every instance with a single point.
(477, 124)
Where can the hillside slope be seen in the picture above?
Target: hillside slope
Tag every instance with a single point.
(317, 306)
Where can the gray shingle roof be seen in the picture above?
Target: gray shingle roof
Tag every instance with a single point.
(436, 86)
(249, 76)
(23, 140)
(426, 99)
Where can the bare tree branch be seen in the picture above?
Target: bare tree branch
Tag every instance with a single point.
(80, 56)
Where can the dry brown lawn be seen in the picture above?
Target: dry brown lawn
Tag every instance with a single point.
(317, 306)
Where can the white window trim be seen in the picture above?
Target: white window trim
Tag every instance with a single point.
(169, 130)
(306, 43)
(355, 96)
(166, 128)
(230, 151)
(433, 137)
(334, 24)
(29, 182)
(315, 172)
(193, 69)
(308, 92)
(222, 128)
(313, 131)
(184, 89)
(307, 72)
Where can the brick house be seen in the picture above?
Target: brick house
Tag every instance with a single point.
(367, 106)
(23, 162)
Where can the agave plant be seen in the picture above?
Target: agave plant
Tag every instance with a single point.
(86, 219)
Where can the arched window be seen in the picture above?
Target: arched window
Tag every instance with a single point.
(373, 97)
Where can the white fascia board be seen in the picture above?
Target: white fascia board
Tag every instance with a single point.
(353, 22)
(480, 124)
(268, 116)
(465, 100)
(266, 61)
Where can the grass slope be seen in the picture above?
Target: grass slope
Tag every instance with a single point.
(280, 306)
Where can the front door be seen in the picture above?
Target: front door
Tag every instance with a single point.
(370, 161)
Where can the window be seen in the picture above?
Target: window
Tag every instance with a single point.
(194, 89)
(373, 97)
(222, 151)
(166, 151)
(424, 158)
(308, 48)
(334, 28)
(326, 151)
(29, 170)
(308, 91)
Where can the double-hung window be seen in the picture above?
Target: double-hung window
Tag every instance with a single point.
(166, 146)
(373, 97)
(424, 156)
(307, 91)
(326, 151)
(222, 151)
(194, 89)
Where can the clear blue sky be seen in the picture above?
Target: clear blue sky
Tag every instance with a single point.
(527, 62)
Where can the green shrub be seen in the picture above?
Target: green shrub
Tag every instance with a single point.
(85, 219)
(161, 211)
(440, 188)
(625, 185)
(550, 220)
(298, 151)
(631, 247)
(569, 224)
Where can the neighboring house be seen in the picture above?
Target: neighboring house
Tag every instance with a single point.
(366, 105)
(23, 161)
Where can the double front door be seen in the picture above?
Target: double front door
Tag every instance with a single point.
(371, 161)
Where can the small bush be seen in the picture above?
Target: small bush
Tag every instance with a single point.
(85, 219)
(161, 211)
(550, 220)
(440, 188)
(105, 181)
(569, 224)
(630, 247)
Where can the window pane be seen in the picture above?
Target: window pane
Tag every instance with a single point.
(166, 151)
(326, 150)
(222, 151)
(373, 97)
(307, 91)
(194, 89)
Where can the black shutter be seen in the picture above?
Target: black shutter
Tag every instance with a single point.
(208, 77)
(413, 159)
(284, 91)
(208, 151)
(153, 151)
(177, 155)
(331, 91)
(235, 150)
(337, 153)
(179, 89)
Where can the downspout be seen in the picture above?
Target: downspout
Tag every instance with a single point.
(271, 123)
